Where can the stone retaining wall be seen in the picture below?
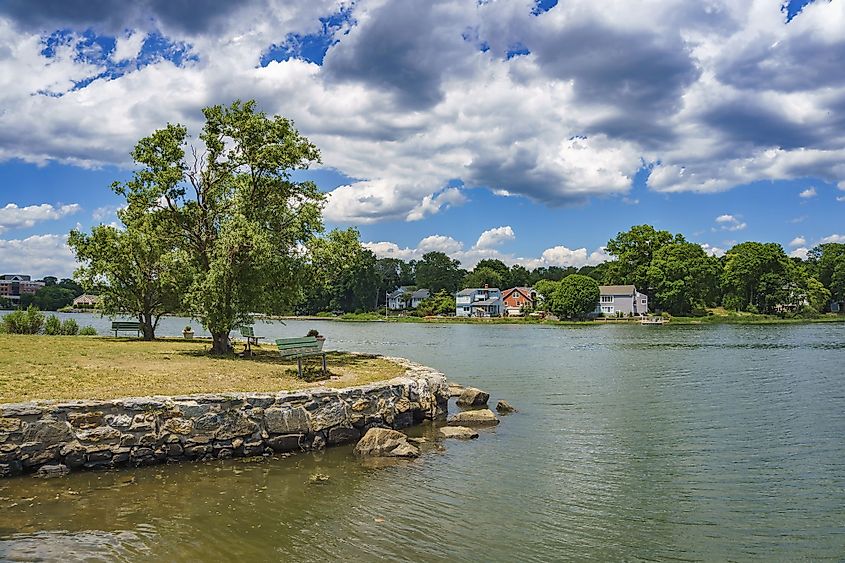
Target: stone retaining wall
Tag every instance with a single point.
(50, 437)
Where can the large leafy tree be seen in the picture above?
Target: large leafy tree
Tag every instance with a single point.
(634, 251)
(136, 270)
(828, 261)
(575, 297)
(481, 277)
(240, 217)
(759, 276)
(342, 273)
(683, 278)
(441, 303)
(436, 271)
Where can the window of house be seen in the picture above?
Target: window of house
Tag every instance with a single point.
(644, 301)
(607, 299)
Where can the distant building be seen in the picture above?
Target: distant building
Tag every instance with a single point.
(625, 299)
(85, 301)
(418, 297)
(396, 300)
(12, 286)
(478, 302)
(516, 299)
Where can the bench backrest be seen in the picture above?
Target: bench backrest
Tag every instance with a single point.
(125, 325)
(247, 330)
(298, 346)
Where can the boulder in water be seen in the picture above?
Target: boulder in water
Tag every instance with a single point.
(504, 407)
(384, 442)
(458, 432)
(481, 417)
(472, 397)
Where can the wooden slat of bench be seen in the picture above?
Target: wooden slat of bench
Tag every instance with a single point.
(298, 341)
(300, 352)
(129, 325)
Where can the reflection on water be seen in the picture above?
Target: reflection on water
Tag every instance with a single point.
(690, 443)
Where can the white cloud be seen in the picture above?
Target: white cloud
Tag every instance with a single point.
(833, 238)
(729, 222)
(713, 250)
(840, 198)
(38, 256)
(386, 249)
(719, 93)
(800, 252)
(492, 238)
(12, 216)
(440, 243)
(563, 256)
(798, 241)
(808, 193)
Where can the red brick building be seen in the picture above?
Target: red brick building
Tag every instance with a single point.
(516, 299)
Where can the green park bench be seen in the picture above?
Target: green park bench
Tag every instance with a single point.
(126, 326)
(300, 348)
(248, 332)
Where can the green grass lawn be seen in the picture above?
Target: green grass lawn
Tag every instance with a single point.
(76, 367)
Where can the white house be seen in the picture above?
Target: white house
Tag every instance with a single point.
(625, 299)
(396, 300)
(418, 297)
(478, 302)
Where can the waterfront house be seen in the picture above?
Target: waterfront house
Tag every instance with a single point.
(12, 286)
(85, 301)
(516, 299)
(478, 302)
(397, 299)
(624, 299)
(418, 297)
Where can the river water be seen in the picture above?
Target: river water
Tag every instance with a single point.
(636, 443)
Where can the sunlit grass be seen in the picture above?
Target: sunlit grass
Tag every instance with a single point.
(68, 367)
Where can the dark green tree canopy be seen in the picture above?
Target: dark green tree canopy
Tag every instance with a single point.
(436, 272)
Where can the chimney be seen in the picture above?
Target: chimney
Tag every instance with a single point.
(486, 286)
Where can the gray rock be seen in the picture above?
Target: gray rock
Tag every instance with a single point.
(504, 407)
(99, 434)
(455, 390)
(49, 471)
(48, 431)
(472, 397)
(287, 421)
(458, 432)
(286, 443)
(330, 414)
(10, 424)
(178, 426)
(342, 435)
(383, 442)
(482, 417)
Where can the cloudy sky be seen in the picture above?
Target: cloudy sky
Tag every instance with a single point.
(526, 130)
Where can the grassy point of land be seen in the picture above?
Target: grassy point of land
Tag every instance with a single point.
(68, 367)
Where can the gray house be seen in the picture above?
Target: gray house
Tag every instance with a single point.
(478, 302)
(625, 299)
(418, 297)
(396, 300)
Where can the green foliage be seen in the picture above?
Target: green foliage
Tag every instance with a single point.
(69, 327)
(634, 251)
(683, 278)
(53, 326)
(575, 297)
(828, 264)
(546, 288)
(342, 274)
(759, 277)
(441, 303)
(29, 321)
(482, 276)
(53, 297)
(237, 215)
(88, 331)
(437, 272)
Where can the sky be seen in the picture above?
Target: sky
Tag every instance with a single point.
(529, 131)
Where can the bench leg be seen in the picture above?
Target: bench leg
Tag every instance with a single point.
(299, 366)
(324, 365)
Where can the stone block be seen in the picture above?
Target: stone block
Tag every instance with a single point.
(286, 421)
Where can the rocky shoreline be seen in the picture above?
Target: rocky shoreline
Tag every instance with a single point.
(52, 438)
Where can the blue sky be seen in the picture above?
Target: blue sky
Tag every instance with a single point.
(530, 132)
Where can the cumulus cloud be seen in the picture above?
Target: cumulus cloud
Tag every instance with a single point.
(440, 243)
(703, 96)
(808, 193)
(12, 216)
(729, 222)
(713, 250)
(798, 241)
(800, 252)
(492, 238)
(833, 238)
(38, 256)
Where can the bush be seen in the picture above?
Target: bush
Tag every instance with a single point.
(88, 331)
(30, 321)
(70, 327)
(53, 326)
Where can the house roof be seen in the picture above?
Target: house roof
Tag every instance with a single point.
(617, 289)
(486, 302)
(398, 292)
(466, 292)
(526, 291)
(420, 293)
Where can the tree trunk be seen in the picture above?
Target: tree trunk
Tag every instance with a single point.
(147, 327)
(220, 343)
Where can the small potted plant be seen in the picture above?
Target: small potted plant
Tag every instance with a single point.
(188, 333)
(316, 335)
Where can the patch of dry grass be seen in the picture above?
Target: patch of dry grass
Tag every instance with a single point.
(68, 367)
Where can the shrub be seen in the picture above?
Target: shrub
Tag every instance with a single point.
(53, 326)
(88, 331)
(70, 327)
(313, 332)
(30, 321)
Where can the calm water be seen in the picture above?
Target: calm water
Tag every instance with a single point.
(636, 443)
